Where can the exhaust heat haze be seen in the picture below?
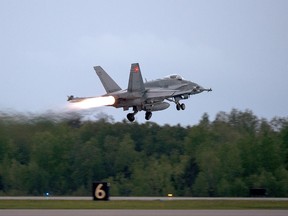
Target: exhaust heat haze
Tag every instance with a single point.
(93, 102)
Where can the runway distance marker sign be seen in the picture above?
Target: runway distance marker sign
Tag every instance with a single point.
(100, 191)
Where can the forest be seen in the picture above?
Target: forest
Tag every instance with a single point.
(63, 155)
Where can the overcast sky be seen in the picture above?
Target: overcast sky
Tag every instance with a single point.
(239, 48)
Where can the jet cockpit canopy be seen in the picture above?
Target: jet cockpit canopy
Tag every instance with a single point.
(175, 76)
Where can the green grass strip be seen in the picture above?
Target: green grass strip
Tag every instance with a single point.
(130, 204)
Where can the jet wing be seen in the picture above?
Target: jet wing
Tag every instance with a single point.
(160, 93)
(166, 93)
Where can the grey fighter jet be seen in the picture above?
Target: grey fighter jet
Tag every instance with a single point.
(149, 96)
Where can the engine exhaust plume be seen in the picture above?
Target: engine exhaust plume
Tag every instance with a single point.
(88, 103)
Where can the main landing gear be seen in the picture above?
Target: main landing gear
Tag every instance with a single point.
(131, 116)
(148, 115)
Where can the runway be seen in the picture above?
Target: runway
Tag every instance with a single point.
(143, 212)
(139, 212)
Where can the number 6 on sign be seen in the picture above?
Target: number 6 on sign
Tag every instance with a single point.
(100, 191)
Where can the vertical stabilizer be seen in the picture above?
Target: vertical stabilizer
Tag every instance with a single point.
(135, 80)
(109, 84)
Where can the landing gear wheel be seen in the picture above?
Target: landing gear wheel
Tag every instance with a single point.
(182, 106)
(178, 106)
(131, 117)
(148, 115)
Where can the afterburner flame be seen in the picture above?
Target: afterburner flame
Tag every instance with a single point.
(94, 102)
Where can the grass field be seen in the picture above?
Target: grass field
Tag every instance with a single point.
(155, 204)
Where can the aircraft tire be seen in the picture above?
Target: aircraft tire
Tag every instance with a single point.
(182, 106)
(178, 107)
(148, 115)
(130, 117)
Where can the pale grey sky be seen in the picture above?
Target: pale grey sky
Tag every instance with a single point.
(239, 48)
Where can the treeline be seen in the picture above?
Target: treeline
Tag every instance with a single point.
(224, 157)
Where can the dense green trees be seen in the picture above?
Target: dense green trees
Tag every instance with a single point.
(224, 157)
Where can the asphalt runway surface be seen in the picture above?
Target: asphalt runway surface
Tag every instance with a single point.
(107, 212)
(144, 212)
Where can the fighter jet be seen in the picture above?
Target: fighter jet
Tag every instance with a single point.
(149, 96)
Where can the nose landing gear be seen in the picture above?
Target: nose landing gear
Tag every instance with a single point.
(180, 106)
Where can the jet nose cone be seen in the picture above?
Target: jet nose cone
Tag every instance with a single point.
(199, 89)
(204, 89)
